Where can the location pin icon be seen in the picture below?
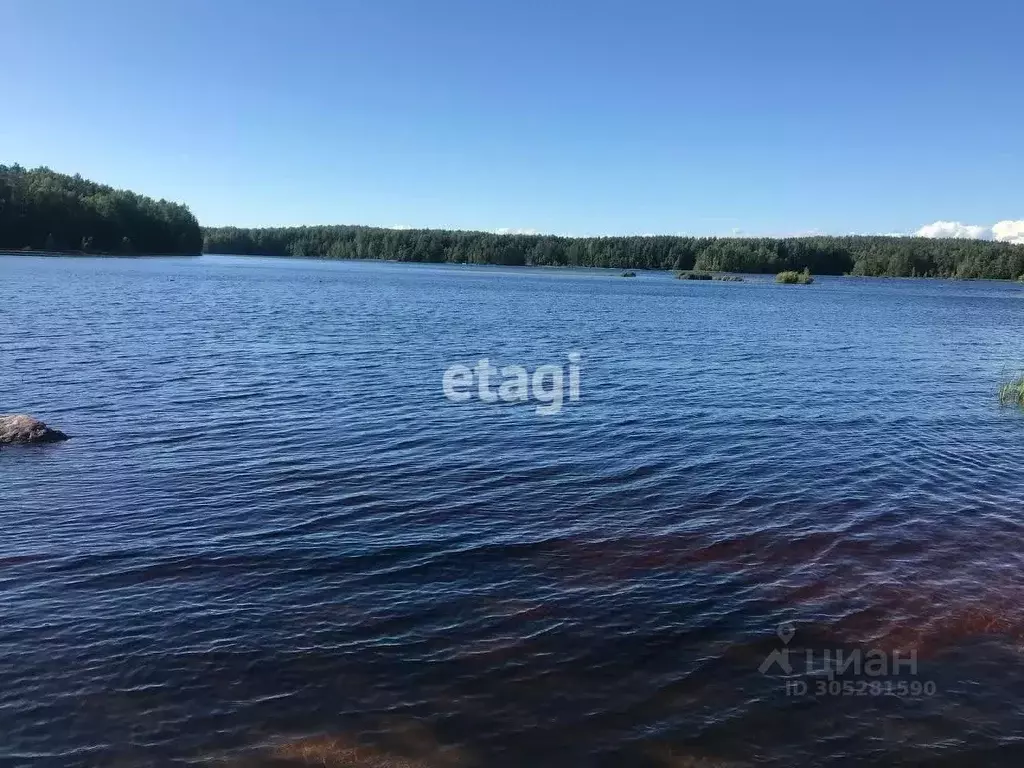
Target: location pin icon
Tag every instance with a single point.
(786, 632)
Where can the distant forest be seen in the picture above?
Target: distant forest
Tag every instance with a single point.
(48, 211)
(857, 255)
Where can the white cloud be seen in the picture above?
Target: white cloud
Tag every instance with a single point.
(515, 231)
(954, 229)
(1009, 231)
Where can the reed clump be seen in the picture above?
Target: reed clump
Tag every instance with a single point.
(629, 274)
(1012, 392)
(792, 277)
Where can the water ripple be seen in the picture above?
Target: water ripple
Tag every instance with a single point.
(272, 542)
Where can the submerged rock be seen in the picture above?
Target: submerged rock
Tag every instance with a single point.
(19, 429)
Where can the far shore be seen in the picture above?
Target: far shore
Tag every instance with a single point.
(104, 254)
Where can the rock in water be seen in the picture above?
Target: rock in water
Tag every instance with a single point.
(19, 429)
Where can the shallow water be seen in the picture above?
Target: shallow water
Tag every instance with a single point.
(272, 540)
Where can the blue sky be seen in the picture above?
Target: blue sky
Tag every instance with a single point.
(566, 116)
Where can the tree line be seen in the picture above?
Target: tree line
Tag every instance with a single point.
(857, 255)
(44, 210)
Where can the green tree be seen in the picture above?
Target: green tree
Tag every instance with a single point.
(40, 208)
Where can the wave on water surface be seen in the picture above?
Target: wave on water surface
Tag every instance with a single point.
(273, 541)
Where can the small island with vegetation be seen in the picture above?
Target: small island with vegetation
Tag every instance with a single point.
(792, 277)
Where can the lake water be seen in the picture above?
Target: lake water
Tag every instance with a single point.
(273, 541)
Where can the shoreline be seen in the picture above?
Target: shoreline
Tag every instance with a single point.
(106, 255)
(667, 270)
(88, 254)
